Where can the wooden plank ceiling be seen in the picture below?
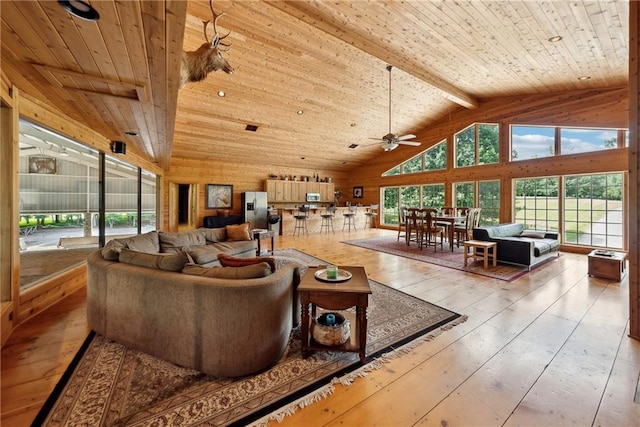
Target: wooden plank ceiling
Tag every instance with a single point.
(325, 58)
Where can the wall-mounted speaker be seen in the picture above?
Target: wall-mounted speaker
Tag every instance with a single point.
(118, 147)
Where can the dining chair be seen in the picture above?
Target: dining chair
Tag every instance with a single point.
(446, 211)
(371, 216)
(430, 229)
(464, 231)
(402, 222)
(412, 232)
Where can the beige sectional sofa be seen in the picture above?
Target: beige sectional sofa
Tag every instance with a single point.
(149, 293)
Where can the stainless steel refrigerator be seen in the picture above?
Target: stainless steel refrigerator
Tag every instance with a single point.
(254, 208)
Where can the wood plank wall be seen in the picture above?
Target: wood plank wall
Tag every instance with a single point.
(594, 108)
(634, 173)
(9, 257)
(244, 176)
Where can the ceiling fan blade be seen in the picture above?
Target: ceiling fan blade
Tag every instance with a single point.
(414, 143)
(403, 137)
(378, 139)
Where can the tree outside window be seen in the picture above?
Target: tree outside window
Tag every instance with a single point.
(477, 145)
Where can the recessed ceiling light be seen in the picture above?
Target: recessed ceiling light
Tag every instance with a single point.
(300, 112)
(353, 125)
(221, 94)
(301, 158)
(251, 128)
(80, 9)
(584, 78)
(555, 39)
(353, 145)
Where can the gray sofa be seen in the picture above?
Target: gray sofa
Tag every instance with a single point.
(519, 246)
(223, 321)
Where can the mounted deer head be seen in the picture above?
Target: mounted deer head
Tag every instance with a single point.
(197, 64)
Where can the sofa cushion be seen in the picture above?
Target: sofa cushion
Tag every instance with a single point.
(147, 242)
(236, 248)
(204, 254)
(505, 230)
(246, 272)
(175, 242)
(533, 234)
(213, 235)
(238, 232)
(231, 261)
(545, 246)
(169, 262)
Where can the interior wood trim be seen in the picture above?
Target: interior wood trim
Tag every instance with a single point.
(50, 73)
(634, 166)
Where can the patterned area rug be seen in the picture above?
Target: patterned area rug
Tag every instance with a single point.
(443, 257)
(109, 384)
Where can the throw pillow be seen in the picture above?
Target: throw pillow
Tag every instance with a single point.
(175, 242)
(247, 272)
(147, 242)
(231, 261)
(238, 232)
(168, 262)
(533, 234)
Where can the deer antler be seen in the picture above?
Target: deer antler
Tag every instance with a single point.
(208, 57)
(217, 39)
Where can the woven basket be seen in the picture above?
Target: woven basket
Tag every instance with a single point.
(331, 335)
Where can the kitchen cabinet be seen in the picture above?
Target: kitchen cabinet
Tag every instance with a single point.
(280, 191)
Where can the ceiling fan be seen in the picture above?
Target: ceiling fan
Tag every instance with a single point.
(391, 141)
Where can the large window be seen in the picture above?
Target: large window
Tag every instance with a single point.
(593, 210)
(464, 194)
(390, 205)
(591, 207)
(532, 142)
(412, 165)
(410, 196)
(477, 145)
(59, 201)
(489, 202)
(433, 195)
(537, 203)
(435, 158)
(585, 140)
(484, 195)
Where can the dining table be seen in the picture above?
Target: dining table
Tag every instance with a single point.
(449, 221)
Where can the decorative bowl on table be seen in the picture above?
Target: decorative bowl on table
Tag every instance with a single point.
(331, 329)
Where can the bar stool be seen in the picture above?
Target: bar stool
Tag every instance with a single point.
(371, 215)
(327, 219)
(350, 218)
(301, 217)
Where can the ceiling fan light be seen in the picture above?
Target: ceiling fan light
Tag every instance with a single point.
(390, 146)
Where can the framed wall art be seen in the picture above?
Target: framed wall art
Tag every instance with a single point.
(357, 192)
(43, 164)
(219, 196)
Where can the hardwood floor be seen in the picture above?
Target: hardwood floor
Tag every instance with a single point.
(548, 349)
